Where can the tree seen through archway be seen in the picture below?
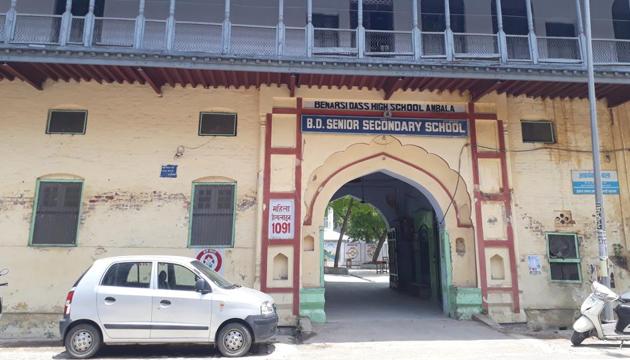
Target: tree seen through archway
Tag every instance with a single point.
(360, 221)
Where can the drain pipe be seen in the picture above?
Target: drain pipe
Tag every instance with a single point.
(260, 199)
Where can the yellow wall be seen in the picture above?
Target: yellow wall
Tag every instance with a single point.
(129, 209)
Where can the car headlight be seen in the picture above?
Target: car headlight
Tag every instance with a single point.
(266, 308)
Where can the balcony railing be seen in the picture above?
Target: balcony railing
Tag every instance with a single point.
(113, 32)
(469, 45)
(170, 36)
(518, 48)
(389, 43)
(611, 51)
(434, 44)
(327, 41)
(559, 49)
(36, 29)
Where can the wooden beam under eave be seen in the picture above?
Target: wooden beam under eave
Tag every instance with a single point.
(292, 83)
(37, 84)
(391, 89)
(149, 80)
(478, 94)
(614, 101)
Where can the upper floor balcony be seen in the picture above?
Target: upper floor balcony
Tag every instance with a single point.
(502, 33)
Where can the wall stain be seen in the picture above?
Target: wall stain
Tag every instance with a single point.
(21, 306)
(246, 202)
(125, 200)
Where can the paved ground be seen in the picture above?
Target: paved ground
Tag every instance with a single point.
(368, 321)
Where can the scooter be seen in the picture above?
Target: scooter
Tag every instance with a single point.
(589, 324)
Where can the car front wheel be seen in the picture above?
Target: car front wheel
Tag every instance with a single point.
(83, 341)
(234, 340)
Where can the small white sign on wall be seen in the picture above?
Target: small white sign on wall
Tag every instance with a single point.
(281, 219)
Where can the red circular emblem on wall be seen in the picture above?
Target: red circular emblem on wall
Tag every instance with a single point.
(211, 258)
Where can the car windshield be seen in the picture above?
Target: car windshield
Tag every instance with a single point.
(219, 280)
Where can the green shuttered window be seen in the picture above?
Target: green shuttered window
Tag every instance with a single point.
(564, 257)
(212, 215)
(56, 213)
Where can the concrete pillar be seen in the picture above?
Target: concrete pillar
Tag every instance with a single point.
(139, 30)
(360, 30)
(88, 26)
(448, 34)
(533, 42)
(9, 23)
(66, 23)
(310, 32)
(281, 29)
(415, 31)
(501, 37)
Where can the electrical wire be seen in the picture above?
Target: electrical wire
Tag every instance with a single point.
(609, 151)
(182, 148)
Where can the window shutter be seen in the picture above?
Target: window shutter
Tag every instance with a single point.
(213, 215)
(57, 213)
(66, 122)
(217, 124)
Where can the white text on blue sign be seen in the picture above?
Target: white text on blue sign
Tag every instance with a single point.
(393, 126)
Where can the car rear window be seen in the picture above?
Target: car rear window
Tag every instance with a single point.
(128, 274)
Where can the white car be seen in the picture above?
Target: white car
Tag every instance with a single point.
(163, 299)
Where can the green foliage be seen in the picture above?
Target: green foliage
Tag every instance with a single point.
(365, 222)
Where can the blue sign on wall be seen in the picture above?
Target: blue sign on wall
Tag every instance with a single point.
(376, 125)
(583, 182)
(169, 171)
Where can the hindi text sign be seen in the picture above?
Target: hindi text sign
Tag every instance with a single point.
(281, 219)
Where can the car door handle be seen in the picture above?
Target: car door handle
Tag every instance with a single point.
(109, 300)
(165, 302)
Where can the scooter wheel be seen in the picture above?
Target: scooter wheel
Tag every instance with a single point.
(578, 337)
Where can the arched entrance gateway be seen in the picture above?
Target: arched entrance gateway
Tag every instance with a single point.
(305, 171)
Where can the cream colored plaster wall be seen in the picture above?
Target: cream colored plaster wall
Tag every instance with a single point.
(126, 207)
(541, 186)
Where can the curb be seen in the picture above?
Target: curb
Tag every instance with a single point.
(484, 319)
(15, 343)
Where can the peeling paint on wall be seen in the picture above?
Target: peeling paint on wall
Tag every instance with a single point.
(246, 202)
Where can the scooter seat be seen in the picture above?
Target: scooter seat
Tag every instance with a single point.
(625, 297)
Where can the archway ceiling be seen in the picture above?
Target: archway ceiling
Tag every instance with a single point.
(36, 74)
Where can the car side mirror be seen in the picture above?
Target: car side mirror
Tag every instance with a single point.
(202, 286)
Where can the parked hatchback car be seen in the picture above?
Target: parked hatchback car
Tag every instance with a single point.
(163, 299)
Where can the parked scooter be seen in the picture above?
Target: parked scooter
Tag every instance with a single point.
(590, 324)
(3, 272)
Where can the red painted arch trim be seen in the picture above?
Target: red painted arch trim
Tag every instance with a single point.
(309, 218)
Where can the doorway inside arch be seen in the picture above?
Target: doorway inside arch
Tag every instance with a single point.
(400, 280)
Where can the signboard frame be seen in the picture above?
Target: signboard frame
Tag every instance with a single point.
(281, 216)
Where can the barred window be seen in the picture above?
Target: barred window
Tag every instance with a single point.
(538, 131)
(564, 257)
(212, 215)
(66, 122)
(217, 124)
(56, 214)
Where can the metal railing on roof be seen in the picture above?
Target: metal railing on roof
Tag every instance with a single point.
(176, 36)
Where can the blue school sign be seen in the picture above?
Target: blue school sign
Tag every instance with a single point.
(583, 182)
(389, 126)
